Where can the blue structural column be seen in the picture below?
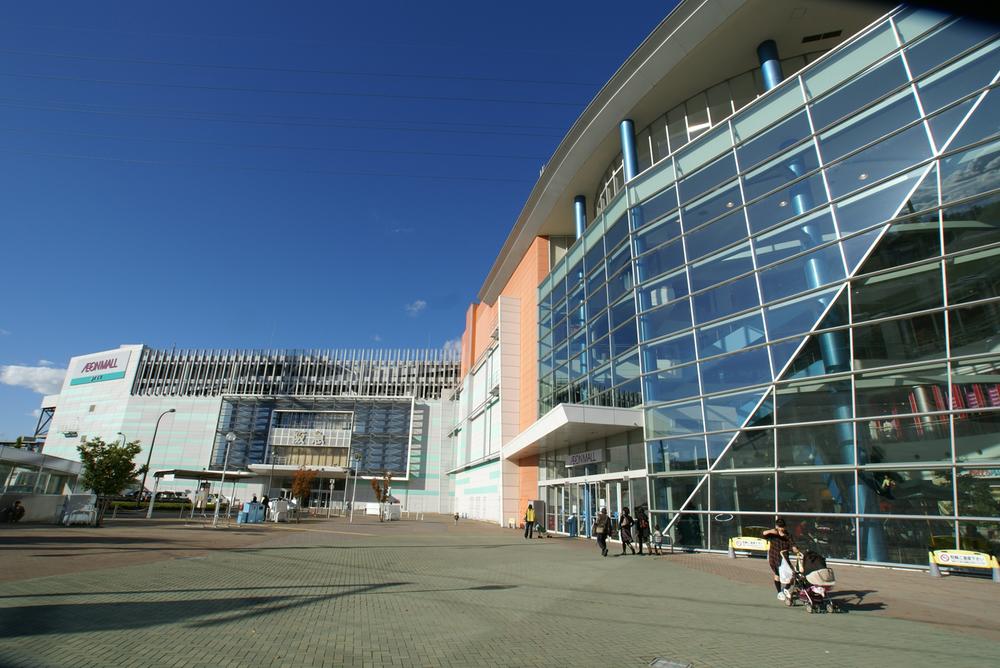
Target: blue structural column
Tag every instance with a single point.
(580, 212)
(627, 132)
(834, 347)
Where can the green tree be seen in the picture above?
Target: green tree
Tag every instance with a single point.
(302, 484)
(381, 489)
(108, 468)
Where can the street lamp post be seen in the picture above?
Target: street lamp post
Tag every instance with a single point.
(149, 457)
(357, 460)
(230, 437)
(329, 502)
(122, 434)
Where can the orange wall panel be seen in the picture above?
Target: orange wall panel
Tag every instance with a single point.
(528, 482)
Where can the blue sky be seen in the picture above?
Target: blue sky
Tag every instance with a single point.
(271, 175)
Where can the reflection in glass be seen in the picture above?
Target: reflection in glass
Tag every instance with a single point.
(909, 492)
(897, 341)
(751, 449)
(752, 492)
(904, 440)
(719, 302)
(816, 492)
(974, 276)
(747, 368)
(892, 293)
(977, 434)
(922, 389)
(674, 420)
(812, 401)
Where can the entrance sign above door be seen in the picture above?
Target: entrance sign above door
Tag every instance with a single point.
(583, 458)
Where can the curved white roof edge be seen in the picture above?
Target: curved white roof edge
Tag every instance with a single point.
(687, 25)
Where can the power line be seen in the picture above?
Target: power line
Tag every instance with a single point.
(290, 147)
(222, 165)
(290, 91)
(222, 117)
(292, 70)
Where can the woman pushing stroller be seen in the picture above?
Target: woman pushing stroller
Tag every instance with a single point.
(780, 541)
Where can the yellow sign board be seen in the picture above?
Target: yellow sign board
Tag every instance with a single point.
(963, 559)
(748, 543)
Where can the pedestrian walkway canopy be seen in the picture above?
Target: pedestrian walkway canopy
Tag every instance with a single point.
(204, 475)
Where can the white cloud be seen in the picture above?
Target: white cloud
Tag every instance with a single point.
(414, 309)
(41, 379)
(377, 337)
(35, 413)
(46, 363)
(453, 347)
(4, 332)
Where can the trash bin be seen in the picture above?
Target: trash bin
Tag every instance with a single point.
(571, 527)
(242, 517)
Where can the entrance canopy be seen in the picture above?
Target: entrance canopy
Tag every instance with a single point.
(567, 424)
(261, 470)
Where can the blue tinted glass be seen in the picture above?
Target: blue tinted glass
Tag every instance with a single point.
(671, 384)
(673, 420)
(883, 159)
(599, 326)
(779, 172)
(597, 302)
(600, 352)
(969, 173)
(594, 257)
(776, 139)
(655, 207)
(715, 205)
(707, 177)
(595, 282)
(559, 332)
(663, 290)
(668, 354)
(856, 248)
(617, 232)
(868, 126)
(623, 338)
(660, 261)
(620, 283)
(574, 275)
(618, 258)
(796, 316)
(868, 87)
(559, 355)
(721, 267)
(878, 204)
(654, 235)
(622, 312)
(731, 336)
(730, 411)
(806, 272)
(558, 291)
(750, 367)
(626, 368)
(726, 299)
(786, 203)
(666, 320)
(948, 41)
(782, 352)
(984, 122)
(577, 367)
(719, 234)
(795, 237)
(600, 380)
(577, 343)
(959, 79)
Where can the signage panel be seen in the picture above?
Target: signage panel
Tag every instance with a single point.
(583, 458)
(101, 367)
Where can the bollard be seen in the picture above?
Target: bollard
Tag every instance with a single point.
(996, 571)
(935, 571)
(732, 552)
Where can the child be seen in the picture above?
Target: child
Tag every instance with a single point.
(657, 540)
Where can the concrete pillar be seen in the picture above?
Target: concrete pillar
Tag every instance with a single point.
(580, 213)
(626, 131)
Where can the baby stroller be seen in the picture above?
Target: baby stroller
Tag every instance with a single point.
(810, 582)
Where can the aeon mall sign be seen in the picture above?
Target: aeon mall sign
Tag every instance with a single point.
(101, 367)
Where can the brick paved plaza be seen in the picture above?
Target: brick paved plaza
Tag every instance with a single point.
(433, 593)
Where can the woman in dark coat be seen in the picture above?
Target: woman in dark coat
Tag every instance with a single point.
(642, 529)
(625, 523)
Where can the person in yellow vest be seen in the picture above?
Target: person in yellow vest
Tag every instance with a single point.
(529, 522)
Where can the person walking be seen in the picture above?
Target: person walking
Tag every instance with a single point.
(642, 529)
(529, 522)
(602, 527)
(625, 530)
(657, 541)
(780, 542)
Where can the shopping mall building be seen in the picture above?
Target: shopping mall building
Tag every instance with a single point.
(760, 275)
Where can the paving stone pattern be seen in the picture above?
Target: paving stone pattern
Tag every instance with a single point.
(434, 593)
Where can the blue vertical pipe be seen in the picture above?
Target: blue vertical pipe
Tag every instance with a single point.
(626, 131)
(580, 211)
(770, 64)
(834, 347)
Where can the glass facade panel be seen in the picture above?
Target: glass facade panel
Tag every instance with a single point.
(881, 309)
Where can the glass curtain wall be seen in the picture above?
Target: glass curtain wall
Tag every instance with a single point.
(814, 292)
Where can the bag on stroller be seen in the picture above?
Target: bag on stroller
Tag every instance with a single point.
(811, 583)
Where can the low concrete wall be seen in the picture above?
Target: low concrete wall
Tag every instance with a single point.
(46, 508)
